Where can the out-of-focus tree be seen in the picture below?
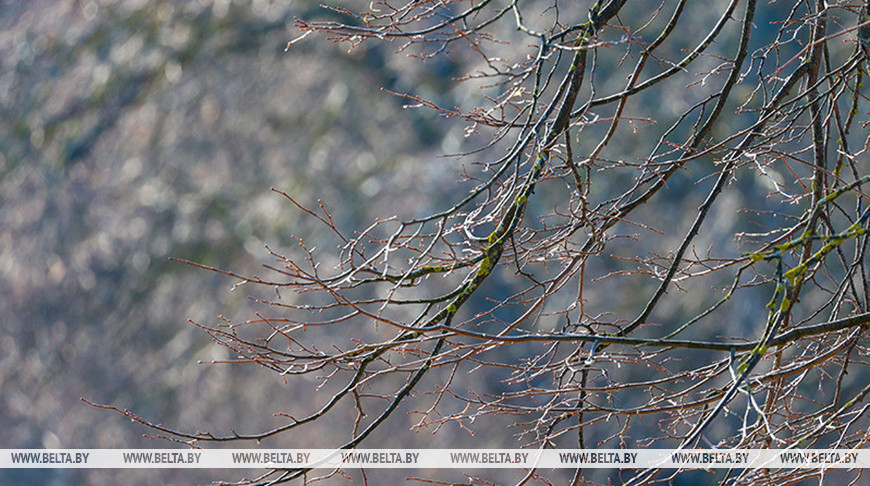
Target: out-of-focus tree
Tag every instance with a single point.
(132, 132)
(658, 242)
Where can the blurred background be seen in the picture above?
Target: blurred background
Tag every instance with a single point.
(133, 131)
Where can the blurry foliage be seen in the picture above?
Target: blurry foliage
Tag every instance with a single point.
(135, 131)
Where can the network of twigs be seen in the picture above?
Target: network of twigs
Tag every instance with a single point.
(776, 107)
